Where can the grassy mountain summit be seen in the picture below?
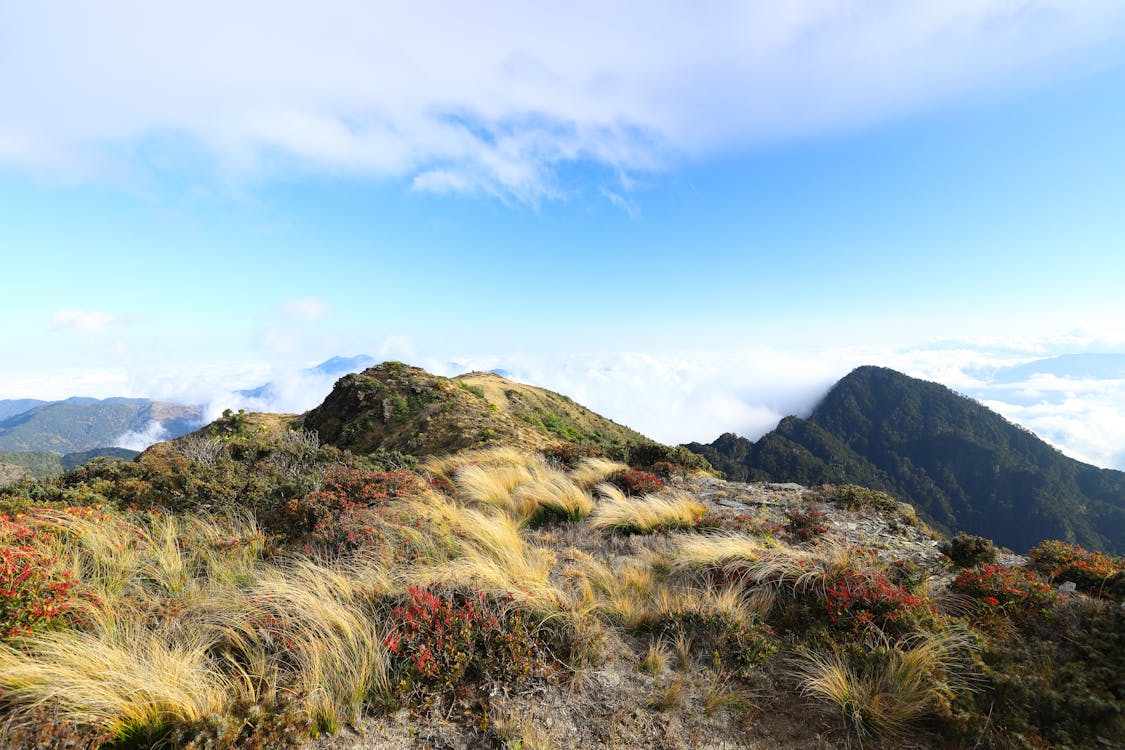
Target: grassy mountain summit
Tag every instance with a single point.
(961, 465)
(396, 407)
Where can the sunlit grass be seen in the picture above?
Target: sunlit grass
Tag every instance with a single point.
(307, 622)
(884, 698)
(554, 495)
(592, 471)
(652, 513)
(118, 675)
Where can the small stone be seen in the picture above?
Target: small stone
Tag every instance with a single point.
(1068, 587)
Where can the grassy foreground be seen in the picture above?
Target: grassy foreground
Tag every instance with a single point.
(340, 589)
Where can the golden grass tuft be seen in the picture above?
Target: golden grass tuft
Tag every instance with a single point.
(119, 675)
(306, 622)
(910, 680)
(716, 550)
(593, 471)
(655, 659)
(494, 485)
(554, 494)
(492, 554)
(652, 513)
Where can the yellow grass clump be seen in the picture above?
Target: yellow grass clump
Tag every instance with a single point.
(886, 698)
(652, 513)
(492, 554)
(593, 471)
(119, 675)
(717, 550)
(494, 485)
(306, 622)
(554, 494)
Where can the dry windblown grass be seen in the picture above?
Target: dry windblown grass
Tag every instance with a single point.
(307, 623)
(492, 555)
(717, 550)
(190, 619)
(593, 471)
(553, 494)
(494, 485)
(523, 486)
(656, 512)
(884, 700)
(138, 666)
(120, 675)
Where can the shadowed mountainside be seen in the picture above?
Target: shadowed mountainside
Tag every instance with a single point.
(961, 465)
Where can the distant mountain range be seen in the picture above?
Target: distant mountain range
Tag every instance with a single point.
(77, 424)
(961, 465)
(82, 424)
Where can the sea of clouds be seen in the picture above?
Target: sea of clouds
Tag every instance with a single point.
(697, 394)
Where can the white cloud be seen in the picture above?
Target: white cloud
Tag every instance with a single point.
(495, 96)
(138, 440)
(672, 395)
(90, 321)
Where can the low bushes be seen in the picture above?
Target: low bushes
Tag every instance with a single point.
(998, 586)
(1094, 573)
(966, 550)
(35, 591)
(440, 640)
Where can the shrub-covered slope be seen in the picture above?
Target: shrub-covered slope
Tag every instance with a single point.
(961, 465)
(42, 464)
(247, 587)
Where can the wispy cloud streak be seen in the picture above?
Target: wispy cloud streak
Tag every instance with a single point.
(495, 97)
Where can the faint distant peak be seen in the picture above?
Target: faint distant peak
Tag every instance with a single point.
(342, 365)
(1107, 366)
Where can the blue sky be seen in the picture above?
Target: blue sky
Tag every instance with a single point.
(691, 216)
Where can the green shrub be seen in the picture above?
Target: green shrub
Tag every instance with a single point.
(967, 551)
(1059, 683)
(854, 497)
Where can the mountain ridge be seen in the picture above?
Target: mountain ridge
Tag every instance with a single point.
(963, 466)
(80, 424)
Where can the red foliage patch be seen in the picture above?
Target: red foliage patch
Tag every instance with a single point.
(353, 508)
(440, 641)
(633, 482)
(853, 600)
(997, 586)
(33, 592)
(1093, 572)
